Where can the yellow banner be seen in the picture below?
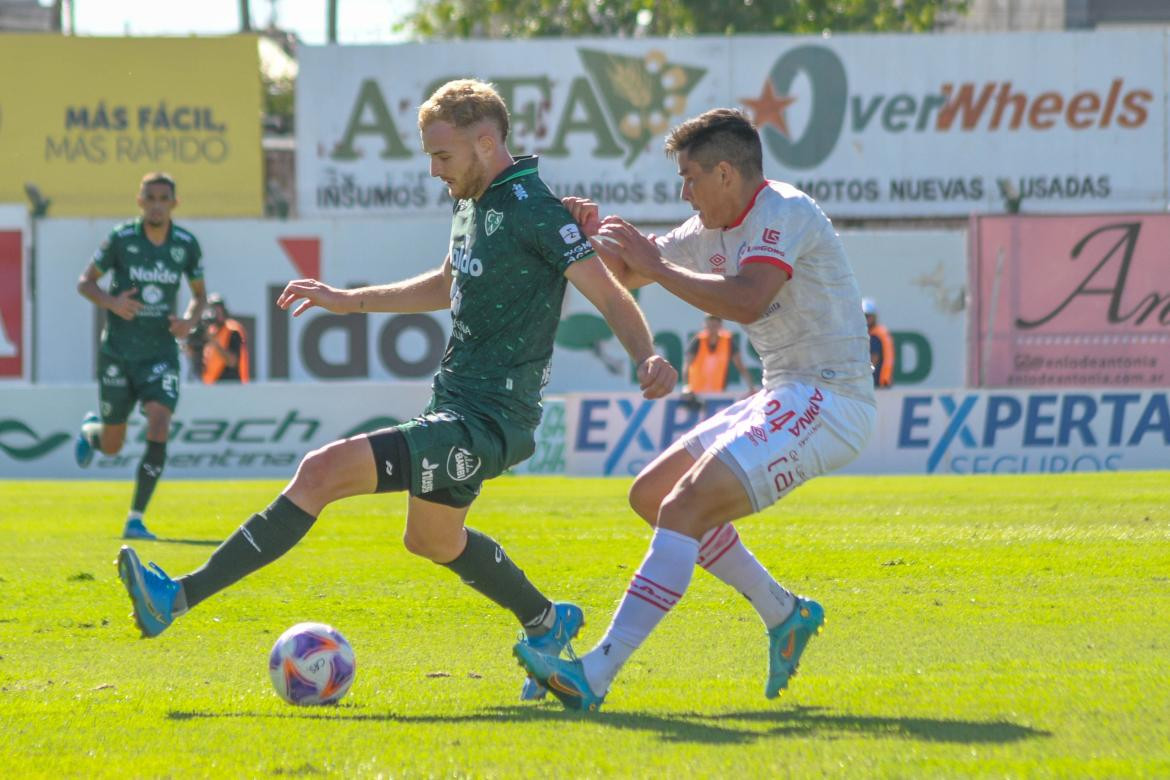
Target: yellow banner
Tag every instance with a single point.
(84, 118)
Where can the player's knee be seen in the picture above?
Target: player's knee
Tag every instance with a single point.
(645, 498)
(315, 474)
(427, 546)
(677, 511)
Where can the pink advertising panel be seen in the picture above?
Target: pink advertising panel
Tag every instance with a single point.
(1063, 301)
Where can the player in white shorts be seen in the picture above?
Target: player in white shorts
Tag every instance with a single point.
(761, 253)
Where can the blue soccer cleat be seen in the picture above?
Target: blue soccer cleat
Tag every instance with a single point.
(151, 591)
(569, 621)
(83, 448)
(565, 678)
(136, 529)
(786, 643)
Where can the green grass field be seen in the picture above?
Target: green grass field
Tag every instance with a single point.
(977, 626)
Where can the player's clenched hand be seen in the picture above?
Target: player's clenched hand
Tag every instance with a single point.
(312, 293)
(639, 252)
(181, 326)
(585, 212)
(656, 376)
(124, 304)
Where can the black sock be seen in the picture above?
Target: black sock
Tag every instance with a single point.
(485, 566)
(150, 468)
(261, 540)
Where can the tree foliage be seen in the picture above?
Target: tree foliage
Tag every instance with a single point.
(535, 18)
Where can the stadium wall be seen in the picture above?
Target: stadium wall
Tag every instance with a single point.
(249, 261)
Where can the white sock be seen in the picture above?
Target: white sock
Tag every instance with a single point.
(658, 585)
(132, 515)
(92, 431)
(722, 554)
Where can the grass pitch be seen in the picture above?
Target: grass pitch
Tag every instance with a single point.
(977, 626)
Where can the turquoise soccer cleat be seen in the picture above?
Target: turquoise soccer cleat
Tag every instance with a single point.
(786, 643)
(569, 621)
(83, 448)
(151, 591)
(565, 678)
(136, 529)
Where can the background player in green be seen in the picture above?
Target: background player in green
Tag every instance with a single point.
(139, 356)
(513, 246)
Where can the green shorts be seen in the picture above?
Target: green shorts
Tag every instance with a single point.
(452, 452)
(121, 383)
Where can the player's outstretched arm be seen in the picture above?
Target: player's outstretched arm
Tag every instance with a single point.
(426, 292)
(655, 374)
(587, 215)
(741, 298)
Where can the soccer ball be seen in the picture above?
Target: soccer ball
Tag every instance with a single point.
(311, 663)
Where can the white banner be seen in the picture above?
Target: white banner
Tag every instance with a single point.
(249, 261)
(942, 432)
(263, 430)
(219, 432)
(870, 125)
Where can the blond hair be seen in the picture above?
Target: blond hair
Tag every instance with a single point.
(465, 102)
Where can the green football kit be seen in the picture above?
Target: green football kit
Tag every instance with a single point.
(509, 252)
(139, 358)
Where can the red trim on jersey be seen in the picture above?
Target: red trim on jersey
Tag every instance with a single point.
(783, 266)
(752, 202)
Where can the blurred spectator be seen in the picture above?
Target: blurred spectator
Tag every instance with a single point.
(225, 353)
(709, 357)
(881, 346)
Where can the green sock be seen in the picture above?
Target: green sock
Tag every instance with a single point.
(485, 566)
(150, 468)
(259, 541)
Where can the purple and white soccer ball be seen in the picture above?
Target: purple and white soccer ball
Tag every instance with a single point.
(311, 663)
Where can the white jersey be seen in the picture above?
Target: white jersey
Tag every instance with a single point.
(813, 331)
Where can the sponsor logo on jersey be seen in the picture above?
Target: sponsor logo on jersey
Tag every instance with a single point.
(427, 480)
(462, 464)
(519, 191)
(771, 235)
(132, 249)
(492, 221)
(570, 233)
(157, 274)
(462, 261)
(151, 294)
(763, 249)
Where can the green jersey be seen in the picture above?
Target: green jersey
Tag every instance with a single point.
(509, 253)
(155, 271)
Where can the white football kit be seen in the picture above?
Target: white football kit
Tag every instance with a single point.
(817, 409)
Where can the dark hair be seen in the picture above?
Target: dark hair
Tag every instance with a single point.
(158, 177)
(465, 102)
(718, 135)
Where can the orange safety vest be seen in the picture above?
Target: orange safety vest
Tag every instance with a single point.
(884, 366)
(708, 371)
(213, 364)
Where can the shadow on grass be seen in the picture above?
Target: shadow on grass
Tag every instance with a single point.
(814, 720)
(694, 727)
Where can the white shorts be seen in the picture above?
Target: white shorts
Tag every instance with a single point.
(781, 438)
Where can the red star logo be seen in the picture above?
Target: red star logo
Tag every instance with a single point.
(769, 108)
